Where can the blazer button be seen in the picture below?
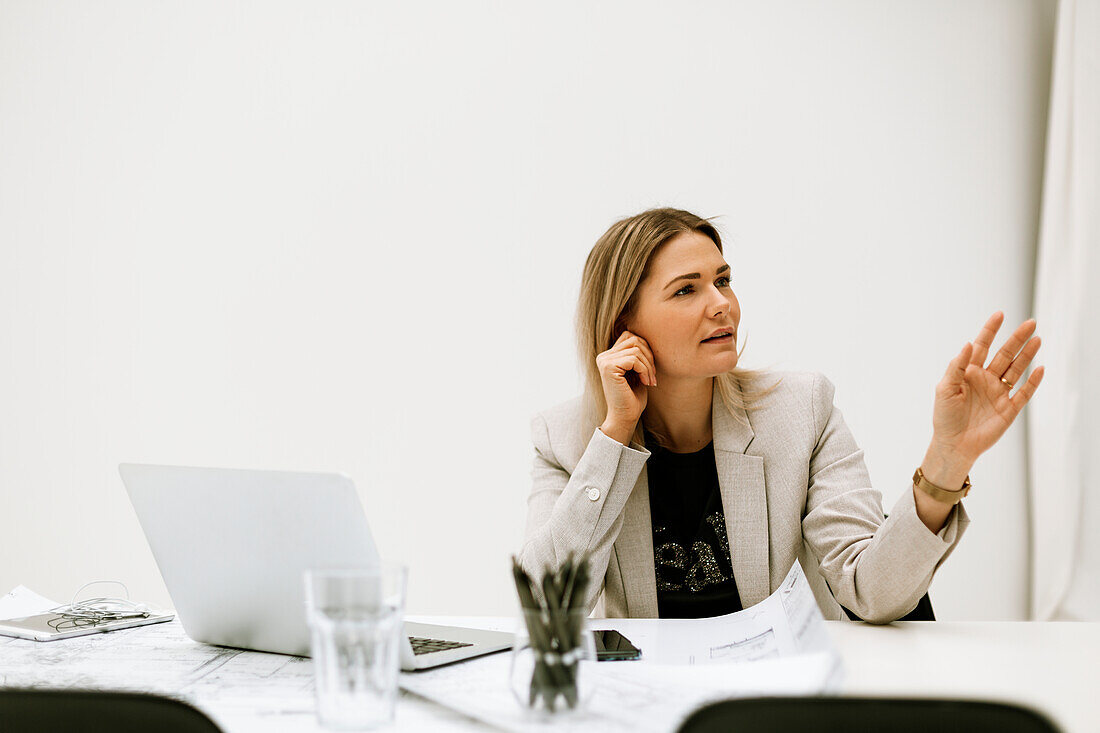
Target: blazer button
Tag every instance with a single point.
(593, 493)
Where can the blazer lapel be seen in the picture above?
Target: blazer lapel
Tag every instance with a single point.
(634, 549)
(744, 502)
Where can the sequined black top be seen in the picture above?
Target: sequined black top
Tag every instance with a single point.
(690, 547)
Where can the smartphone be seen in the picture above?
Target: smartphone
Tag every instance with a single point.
(613, 646)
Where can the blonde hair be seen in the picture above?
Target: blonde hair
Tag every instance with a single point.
(616, 266)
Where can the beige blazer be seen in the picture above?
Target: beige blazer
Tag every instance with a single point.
(793, 485)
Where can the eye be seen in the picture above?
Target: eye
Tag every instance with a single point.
(689, 288)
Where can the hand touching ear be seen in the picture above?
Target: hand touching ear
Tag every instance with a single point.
(626, 398)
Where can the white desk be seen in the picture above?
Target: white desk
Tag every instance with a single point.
(1049, 666)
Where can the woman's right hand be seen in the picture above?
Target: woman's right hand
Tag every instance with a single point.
(625, 397)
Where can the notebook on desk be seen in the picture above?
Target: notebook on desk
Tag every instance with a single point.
(233, 546)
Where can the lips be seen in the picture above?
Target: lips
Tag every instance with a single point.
(719, 336)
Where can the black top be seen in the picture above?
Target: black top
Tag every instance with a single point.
(690, 548)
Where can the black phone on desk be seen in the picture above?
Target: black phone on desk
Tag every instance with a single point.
(613, 646)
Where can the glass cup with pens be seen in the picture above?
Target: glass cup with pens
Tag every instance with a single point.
(554, 653)
(355, 618)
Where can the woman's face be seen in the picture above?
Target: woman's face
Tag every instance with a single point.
(686, 298)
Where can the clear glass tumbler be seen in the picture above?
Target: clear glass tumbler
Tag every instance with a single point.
(356, 617)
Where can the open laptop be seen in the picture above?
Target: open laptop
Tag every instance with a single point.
(233, 546)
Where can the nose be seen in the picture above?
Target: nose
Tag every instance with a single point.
(717, 303)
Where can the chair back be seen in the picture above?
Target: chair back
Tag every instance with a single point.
(857, 715)
(45, 711)
(923, 611)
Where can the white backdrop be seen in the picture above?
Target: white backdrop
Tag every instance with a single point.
(348, 236)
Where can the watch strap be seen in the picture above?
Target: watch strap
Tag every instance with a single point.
(938, 493)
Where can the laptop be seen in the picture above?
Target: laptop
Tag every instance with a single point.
(233, 546)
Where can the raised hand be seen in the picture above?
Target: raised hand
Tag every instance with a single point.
(974, 405)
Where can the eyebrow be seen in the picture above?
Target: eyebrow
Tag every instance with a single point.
(696, 275)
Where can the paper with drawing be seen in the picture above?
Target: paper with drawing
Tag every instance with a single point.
(779, 646)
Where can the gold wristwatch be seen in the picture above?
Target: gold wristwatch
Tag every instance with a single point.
(947, 497)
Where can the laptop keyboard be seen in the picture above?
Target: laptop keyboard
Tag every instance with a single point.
(421, 645)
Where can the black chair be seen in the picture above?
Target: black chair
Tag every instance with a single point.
(863, 715)
(923, 612)
(45, 711)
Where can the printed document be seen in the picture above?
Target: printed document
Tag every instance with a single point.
(777, 647)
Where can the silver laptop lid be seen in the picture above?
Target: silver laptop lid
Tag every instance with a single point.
(232, 546)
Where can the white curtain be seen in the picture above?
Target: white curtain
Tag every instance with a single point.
(1063, 419)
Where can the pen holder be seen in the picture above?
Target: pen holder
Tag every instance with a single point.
(552, 662)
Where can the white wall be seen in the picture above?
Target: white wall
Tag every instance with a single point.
(348, 236)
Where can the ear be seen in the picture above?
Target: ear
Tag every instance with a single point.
(621, 324)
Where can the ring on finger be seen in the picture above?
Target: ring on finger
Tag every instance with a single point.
(1010, 384)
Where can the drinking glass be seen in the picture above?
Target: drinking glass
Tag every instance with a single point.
(355, 617)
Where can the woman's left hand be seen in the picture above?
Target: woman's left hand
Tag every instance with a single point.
(973, 408)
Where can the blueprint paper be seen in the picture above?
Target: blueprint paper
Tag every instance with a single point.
(777, 647)
(241, 690)
(785, 623)
(254, 692)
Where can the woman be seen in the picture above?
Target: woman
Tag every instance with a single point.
(694, 485)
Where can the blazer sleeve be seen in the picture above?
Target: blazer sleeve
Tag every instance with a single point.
(877, 569)
(581, 511)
